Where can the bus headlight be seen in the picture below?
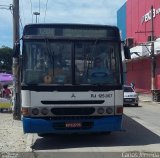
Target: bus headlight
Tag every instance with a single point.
(44, 111)
(109, 110)
(100, 110)
(35, 111)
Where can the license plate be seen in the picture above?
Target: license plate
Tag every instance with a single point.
(74, 125)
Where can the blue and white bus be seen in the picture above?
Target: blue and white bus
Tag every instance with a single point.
(62, 91)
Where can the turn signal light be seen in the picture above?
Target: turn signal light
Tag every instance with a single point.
(25, 111)
(119, 110)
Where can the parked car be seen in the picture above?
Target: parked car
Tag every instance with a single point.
(130, 96)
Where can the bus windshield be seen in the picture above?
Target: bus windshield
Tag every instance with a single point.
(71, 62)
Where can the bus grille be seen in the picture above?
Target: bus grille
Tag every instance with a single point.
(72, 118)
(73, 111)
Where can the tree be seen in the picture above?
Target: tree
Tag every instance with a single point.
(6, 59)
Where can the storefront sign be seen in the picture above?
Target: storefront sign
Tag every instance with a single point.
(147, 16)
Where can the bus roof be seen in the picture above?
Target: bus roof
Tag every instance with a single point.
(70, 25)
(72, 30)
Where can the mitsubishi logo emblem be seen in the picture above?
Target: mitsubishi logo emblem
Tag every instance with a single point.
(73, 95)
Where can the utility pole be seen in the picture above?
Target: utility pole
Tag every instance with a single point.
(16, 63)
(15, 21)
(153, 60)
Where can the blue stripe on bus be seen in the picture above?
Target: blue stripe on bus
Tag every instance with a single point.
(39, 125)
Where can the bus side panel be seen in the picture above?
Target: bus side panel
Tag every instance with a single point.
(118, 97)
(105, 124)
(26, 98)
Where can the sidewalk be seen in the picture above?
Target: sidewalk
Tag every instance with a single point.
(12, 138)
(145, 97)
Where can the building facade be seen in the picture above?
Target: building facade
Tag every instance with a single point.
(134, 19)
(134, 22)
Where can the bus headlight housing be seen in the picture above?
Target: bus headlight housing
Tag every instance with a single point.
(100, 110)
(44, 111)
(109, 110)
(35, 111)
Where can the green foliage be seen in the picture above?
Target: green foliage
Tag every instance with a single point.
(6, 59)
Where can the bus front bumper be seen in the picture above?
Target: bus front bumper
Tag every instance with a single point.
(96, 125)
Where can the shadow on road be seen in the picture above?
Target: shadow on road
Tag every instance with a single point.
(135, 135)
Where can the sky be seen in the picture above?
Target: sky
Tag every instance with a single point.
(58, 11)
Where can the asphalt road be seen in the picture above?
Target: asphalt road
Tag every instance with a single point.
(141, 134)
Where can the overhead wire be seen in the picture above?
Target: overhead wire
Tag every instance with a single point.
(46, 11)
(20, 20)
(3, 5)
(7, 7)
(31, 11)
(22, 15)
(39, 10)
(4, 8)
(11, 10)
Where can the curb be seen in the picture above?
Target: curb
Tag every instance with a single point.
(145, 100)
(149, 101)
(29, 142)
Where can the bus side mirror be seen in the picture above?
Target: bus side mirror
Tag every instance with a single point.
(16, 50)
(127, 53)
